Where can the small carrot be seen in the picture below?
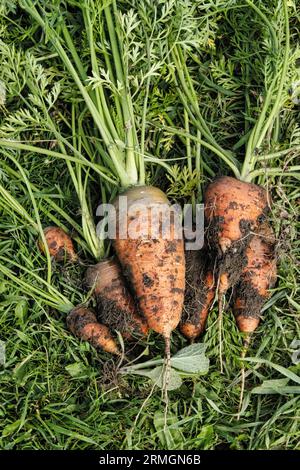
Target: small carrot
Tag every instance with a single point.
(82, 322)
(258, 276)
(199, 294)
(116, 307)
(252, 290)
(59, 244)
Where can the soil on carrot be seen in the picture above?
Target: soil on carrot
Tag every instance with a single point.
(234, 260)
(91, 277)
(115, 318)
(59, 244)
(147, 280)
(195, 289)
(76, 322)
(251, 299)
(83, 323)
(171, 246)
(127, 273)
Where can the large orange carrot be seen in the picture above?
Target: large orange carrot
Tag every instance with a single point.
(258, 276)
(153, 264)
(116, 307)
(199, 294)
(82, 322)
(59, 244)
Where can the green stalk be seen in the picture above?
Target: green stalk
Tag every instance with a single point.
(72, 49)
(115, 96)
(292, 171)
(50, 153)
(143, 133)
(99, 91)
(189, 155)
(126, 108)
(267, 22)
(210, 83)
(88, 226)
(198, 165)
(113, 150)
(10, 201)
(188, 142)
(270, 156)
(190, 100)
(206, 145)
(200, 162)
(263, 124)
(276, 106)
(143, 130)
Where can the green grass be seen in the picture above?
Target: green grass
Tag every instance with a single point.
(59, 393)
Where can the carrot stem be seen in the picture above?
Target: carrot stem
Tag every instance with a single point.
(220, 323)
(167, 370)
(243, 377)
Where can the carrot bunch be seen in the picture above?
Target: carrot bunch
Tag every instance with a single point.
(151, 283)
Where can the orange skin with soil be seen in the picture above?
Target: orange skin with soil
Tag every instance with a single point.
(233, 210)
(107, 281)
(59, 244)
(260, 274)
(82, 322)
(232, 201)
(191, 330)
(155, 266)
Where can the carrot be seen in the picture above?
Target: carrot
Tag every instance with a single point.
(252, 290)
(233, 209)
(116, 307)
(199, 294)
(155, 267)
(59, 244)
(258, 276)
(82, 322)
(153, 264)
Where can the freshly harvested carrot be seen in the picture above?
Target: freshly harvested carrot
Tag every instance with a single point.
(59, 244)
(116, 307)
(233, 210)
(154, 264)
(258, 276)
(82, 322)
(199, 294)
(252, 290)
